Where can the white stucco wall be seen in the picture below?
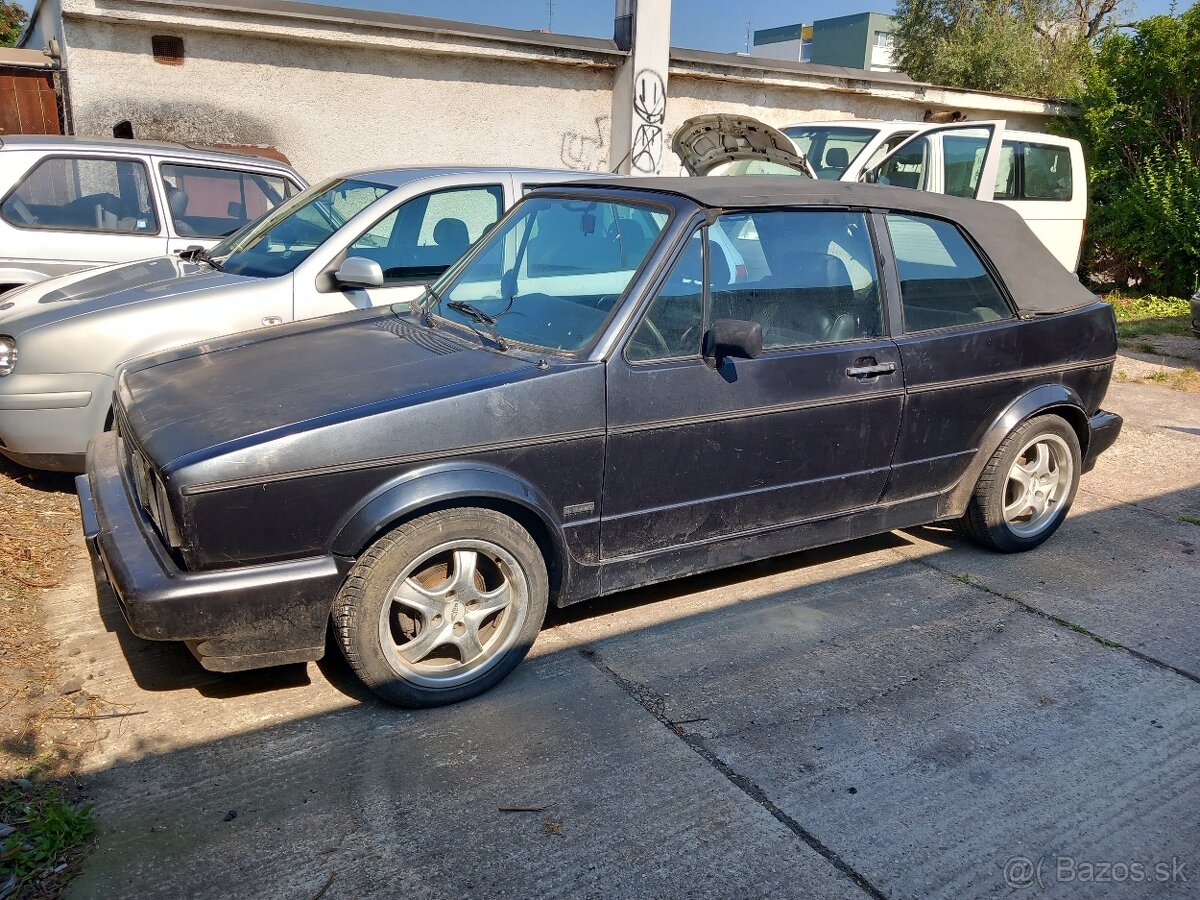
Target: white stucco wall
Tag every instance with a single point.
(331, 108)
(335, 95)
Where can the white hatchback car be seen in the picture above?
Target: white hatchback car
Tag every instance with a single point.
(68, 203)
(348, 243)
(1041, 176)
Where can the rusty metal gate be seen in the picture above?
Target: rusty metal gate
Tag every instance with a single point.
(30, 100)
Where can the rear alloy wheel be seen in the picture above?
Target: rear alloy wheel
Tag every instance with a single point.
(443, 607)
(1027, 487)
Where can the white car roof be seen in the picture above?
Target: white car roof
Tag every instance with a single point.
(902, 125)
(59, 143)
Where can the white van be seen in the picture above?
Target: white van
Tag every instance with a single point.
(1041, 176)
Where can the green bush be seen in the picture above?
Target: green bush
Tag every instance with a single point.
(1141, 132)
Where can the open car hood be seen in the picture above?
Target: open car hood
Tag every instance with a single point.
(705, 142)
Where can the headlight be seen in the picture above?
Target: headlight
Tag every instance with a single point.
(8, 354)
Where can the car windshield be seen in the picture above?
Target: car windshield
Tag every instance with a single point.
(278, 242)
(551, 273)
(830, 148)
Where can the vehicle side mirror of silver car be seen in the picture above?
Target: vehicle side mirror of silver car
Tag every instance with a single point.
(732, 338)
(871, 176)
(359, 272)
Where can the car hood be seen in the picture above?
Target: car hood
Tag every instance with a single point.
(265, 386)
(705, 142)
(107, 288)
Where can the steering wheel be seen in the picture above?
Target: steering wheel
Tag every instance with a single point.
(657, 335)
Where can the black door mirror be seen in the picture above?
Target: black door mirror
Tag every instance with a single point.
(871, 176)
(732, 338)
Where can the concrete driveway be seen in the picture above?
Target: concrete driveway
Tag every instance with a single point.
(905, 716)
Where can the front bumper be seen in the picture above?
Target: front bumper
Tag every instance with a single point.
(231, 619)
(1104, 428)
(46, 421)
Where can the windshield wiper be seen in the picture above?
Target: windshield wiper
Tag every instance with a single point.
(469, 309)
(201, 254)
(422, 309)
(475, 313)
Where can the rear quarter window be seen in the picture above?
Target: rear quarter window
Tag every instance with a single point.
(1032, 171)
(943, 283)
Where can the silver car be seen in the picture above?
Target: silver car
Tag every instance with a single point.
(68, 203)
(353, 241)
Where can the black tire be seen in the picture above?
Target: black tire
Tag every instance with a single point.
(985, 521)
(505, 554)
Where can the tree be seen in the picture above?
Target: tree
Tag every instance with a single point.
(1140, 125)
(12, 22)
(1035, 47)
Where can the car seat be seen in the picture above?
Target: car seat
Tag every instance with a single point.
(837, 159)
(452, 238)
(632, 239)
(177, 200)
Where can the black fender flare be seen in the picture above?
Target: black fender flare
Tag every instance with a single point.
(1044, 398)
(446, 484)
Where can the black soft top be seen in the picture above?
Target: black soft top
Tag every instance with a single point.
(1036, 279)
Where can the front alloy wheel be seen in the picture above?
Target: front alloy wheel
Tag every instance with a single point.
(443, 607)
(453, 612)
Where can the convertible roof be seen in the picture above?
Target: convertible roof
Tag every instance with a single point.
(1037, 281)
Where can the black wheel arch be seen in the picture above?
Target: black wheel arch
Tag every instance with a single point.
(451, 486)
(1046, 399)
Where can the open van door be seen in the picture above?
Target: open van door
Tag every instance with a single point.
(723, 144)
(960, 160)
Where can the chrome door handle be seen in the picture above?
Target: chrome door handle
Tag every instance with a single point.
(871, 371)
(272, 320)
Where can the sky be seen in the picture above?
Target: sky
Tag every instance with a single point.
(697, 24)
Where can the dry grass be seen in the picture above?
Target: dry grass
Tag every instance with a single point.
(37, 754)
(1186, 379)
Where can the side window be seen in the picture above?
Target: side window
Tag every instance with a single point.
(909, 167)
(812, 276)
(209, 202)
(1047, 172)
(423, 237)
(942, 282)
(1034, 172)
(1006, 172)
(671, 327)
(73, 194)
(963, 153)
(887, 147)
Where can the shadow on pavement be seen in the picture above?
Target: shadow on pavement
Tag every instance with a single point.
(862, 697)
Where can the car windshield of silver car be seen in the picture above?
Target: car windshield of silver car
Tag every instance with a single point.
(285, 237)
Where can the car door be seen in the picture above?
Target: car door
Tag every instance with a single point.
(802, 432)
(960, 160)
(74, 211)
(206, 203)
(413, 242)
(959, 339)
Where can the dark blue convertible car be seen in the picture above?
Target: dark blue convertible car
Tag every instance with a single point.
(624, 381)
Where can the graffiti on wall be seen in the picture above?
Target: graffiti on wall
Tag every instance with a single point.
(650, 112)
(586, 152)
